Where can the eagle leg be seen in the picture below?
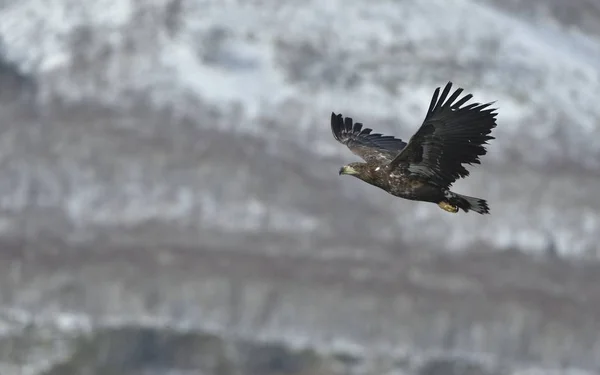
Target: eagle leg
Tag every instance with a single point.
(448, 207)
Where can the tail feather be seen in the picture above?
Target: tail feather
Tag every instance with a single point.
(467, 203)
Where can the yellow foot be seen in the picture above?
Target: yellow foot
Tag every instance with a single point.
(448, 207)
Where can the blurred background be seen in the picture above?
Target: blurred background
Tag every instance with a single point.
(170, 202)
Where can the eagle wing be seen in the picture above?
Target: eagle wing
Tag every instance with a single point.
(451, 135)
(371, 147)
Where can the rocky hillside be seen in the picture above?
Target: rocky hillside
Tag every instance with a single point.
(169, 164)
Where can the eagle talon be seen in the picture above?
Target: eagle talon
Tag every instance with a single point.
(448, 207)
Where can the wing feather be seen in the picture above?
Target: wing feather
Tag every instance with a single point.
(371, 147)
(451, 135)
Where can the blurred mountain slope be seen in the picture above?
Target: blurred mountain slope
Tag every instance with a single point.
(204, 125)
(270, 74)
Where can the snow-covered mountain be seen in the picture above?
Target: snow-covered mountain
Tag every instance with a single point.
(205, 123)
(270, 72)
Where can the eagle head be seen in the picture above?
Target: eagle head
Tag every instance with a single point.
(353, 169)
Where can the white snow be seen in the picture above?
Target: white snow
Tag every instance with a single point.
(545, 81)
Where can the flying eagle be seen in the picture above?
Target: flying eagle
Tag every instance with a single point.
(423, 169)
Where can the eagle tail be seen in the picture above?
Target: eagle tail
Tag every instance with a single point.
(467, 203)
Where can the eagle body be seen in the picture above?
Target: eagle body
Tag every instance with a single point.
(389, 180)
(396, 183)
(452, 134)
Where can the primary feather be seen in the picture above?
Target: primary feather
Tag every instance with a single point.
(450, 136)
(369, 146)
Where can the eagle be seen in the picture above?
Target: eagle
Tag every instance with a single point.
(451, 135)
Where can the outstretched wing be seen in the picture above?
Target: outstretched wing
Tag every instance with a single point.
(370, 147)
(451, 135)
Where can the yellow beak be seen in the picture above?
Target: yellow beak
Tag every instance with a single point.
(346, 169)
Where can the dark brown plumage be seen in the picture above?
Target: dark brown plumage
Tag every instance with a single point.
(423, 169)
